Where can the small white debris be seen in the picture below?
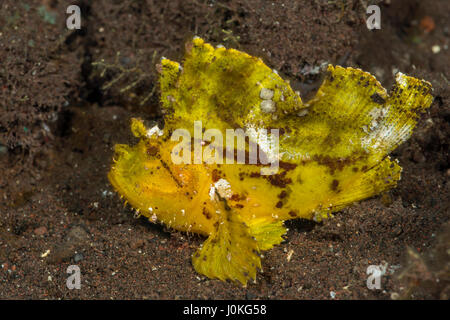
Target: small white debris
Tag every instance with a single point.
(268, 106)
(332, 294)
(150, 209)
(107, 193)
(183, 212)
(46, 253)
(153, 218)
(155, 130)
(289, 255)
(220, 46)
(229, 256)
(45, 127)
(436, 49)
(266, 94)
(308, 69)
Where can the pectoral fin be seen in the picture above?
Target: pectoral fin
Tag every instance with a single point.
(361, 185)
(267, 235)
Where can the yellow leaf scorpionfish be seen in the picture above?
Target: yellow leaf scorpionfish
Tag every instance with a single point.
(330, 152)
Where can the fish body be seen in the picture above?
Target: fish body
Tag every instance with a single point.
(330, 152)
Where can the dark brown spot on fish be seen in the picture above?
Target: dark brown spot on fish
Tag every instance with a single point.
(215, 175)
(282, 195)
(377, 98)
(279, 180)
(331, 140)
(152, 150)
(334, 185)
(337, 163)
(255, 175)
(292, 213)
(206, 213)
(235, 197)
(287, 166)
(279, 205)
